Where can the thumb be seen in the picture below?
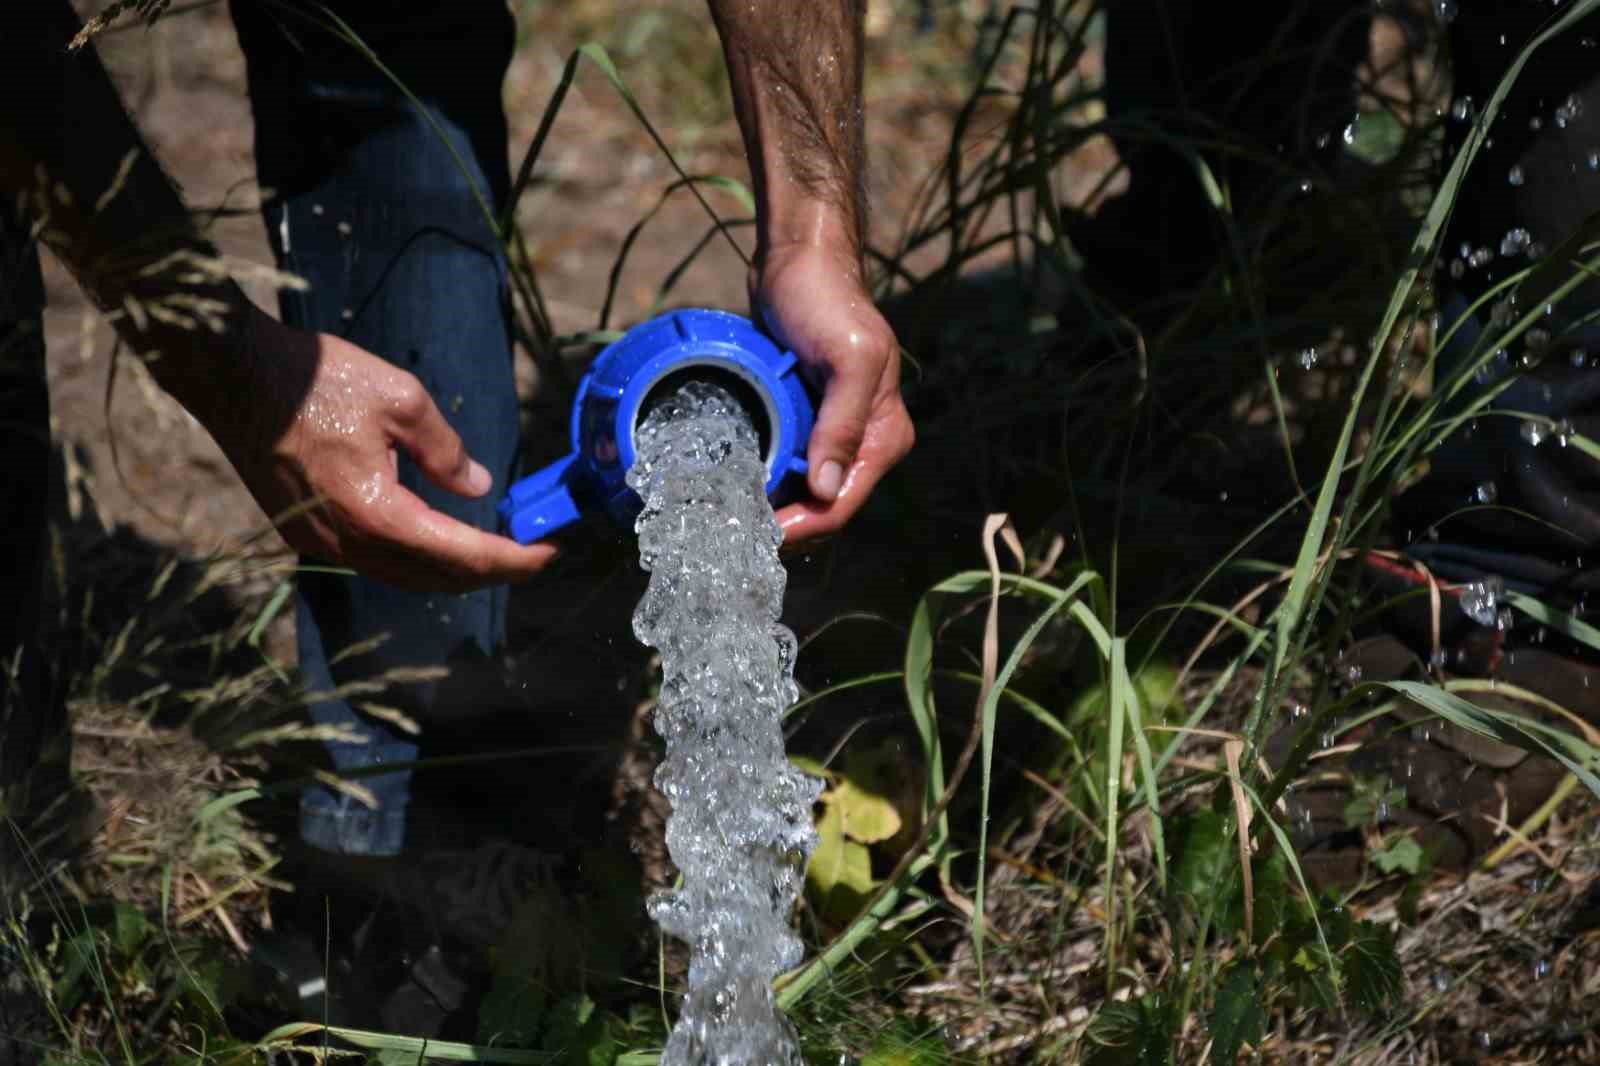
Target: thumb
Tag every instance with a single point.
(420, 428)
(841, 424)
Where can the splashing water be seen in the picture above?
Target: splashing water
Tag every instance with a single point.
(740, 831)
(1480, 600)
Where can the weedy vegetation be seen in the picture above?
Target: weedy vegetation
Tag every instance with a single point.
(1051, 831)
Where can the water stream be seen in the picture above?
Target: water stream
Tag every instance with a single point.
(741, 829)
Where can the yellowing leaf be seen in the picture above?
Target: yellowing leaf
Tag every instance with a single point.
(840, 874)
(863, 796)
(868, 818)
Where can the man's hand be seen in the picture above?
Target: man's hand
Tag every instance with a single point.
(810, 296)
(313, 424)
(317, 443)
(795, 71)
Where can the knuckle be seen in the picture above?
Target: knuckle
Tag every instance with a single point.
(406, 396)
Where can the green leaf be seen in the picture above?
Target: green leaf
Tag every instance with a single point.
(1379, 136)
(390, 1056)
(1274, 903)
(511, 1011)
(1203, 860)
(814, 767)
(1572, 752)
(1309, 951)
(1141, 1032)
(1372, 968)
(1404, 855)
(1369, 800)
(204, 983)
(580, 1035)
(840, 874)
(1237, 1018)
(130, 929)
(81, 954)
(1156, 683)
(411, 1049)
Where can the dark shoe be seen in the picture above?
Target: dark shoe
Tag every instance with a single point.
(1456, 791)
(405, 943)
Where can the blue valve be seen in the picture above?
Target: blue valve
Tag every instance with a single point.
(612, 398)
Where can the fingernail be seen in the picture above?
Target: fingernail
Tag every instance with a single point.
(829, 480)
(478, 479)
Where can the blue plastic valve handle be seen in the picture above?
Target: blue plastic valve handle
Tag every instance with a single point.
(611, 401)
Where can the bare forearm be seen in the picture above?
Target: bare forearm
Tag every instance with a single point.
(795, 69)
(104, 206)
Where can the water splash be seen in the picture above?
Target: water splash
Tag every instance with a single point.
(741, 828)
(1480, 600)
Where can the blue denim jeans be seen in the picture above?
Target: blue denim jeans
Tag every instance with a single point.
(382, 205)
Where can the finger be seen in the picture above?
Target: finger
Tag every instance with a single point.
(440, 552)
(841, 425)
(420, 428)
(808, 520)
(888, 438)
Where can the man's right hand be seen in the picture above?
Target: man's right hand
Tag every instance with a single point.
(316, 435)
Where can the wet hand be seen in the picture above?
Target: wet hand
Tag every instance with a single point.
(318, 445)
(811, 298)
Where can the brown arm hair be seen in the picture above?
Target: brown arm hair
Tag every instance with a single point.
(796, 69)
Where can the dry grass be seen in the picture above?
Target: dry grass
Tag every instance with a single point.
(154, 849)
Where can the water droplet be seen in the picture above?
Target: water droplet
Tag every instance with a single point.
(1351, 130)
(1491, 371)
(1504, 619)
(1480, 600)
(1514, 175)
(1533, 431)
(1515, 242)
(1445, 10)
(1485, 492)
(1307, 358)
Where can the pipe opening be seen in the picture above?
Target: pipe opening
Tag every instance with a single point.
(755, 403)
